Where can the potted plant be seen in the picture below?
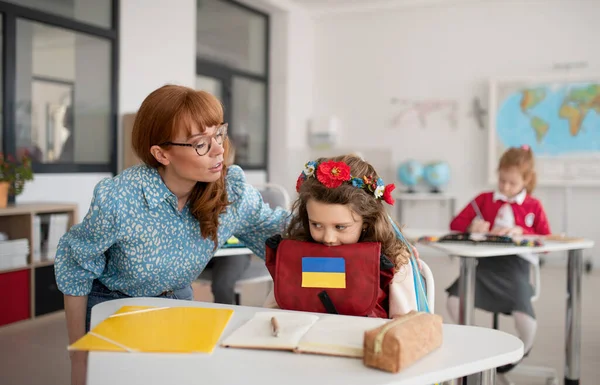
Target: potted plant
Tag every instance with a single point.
(13, 175)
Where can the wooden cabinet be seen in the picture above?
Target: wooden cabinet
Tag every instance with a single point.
(47, 297)
(30, 290)
(14, 301)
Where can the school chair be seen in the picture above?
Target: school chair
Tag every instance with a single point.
(430, 293)
(549, 374)
(274, 195)
(429, 285)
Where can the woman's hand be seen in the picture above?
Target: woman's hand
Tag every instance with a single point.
(479, 226)
(78, 367)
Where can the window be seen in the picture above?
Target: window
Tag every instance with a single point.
(232, 64)
(96, 12)
(232, 35)
(249, 114)
(63, 94)
(60, 84)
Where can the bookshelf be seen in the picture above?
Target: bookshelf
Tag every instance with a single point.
(30, 290)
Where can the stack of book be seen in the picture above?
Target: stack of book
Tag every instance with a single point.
(13, 253)
(47, 231)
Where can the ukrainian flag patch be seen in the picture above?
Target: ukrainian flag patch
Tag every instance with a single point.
(327, 273)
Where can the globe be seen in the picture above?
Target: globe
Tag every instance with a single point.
(410, 173)
(436, 175)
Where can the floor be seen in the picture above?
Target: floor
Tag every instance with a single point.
(41, 344)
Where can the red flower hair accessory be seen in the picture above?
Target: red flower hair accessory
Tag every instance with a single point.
(333, 174)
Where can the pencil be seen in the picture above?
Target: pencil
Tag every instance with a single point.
(477, 211)
(275, 326)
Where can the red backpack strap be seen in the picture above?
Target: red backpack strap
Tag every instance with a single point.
(386, 272)
(271, 253)
(386, 275)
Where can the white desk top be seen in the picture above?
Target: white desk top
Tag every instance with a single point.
(480, 251)
(465, 350)
(233, 251)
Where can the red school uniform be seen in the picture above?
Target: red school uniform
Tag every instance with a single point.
(529, 214)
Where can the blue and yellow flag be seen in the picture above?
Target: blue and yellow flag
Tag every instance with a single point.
(327, 273)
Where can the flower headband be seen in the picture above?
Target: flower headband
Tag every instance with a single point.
(333, 174)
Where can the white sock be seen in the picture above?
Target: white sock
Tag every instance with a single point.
(453, 305)
(526, 327)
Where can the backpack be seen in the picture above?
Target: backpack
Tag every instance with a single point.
(347, 279)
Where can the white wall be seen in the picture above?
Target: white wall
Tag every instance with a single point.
(448, 52)
(292, 87)
(158, 46)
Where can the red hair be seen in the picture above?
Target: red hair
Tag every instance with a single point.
(160, 118)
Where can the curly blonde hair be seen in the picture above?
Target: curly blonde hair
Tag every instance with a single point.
(522, 159)
(378, 226)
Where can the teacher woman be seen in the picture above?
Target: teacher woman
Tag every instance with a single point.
(152, 229)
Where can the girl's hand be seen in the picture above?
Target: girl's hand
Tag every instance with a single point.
(508, 231)
(479, 226)
(517, 230)
(416, 254)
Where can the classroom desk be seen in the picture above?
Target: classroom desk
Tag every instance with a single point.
(233, 251)
(465, 350)
(468, 261)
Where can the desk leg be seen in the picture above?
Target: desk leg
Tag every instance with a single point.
(488, 377)
(450, 382)
(573, 321)
(466, 294)
(466, 290)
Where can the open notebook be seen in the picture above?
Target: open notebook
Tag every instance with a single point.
(157, 329)
(305, 333)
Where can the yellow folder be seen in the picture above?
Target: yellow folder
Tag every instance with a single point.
(157, 329)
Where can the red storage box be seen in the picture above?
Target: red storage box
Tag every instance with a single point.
(14, 296)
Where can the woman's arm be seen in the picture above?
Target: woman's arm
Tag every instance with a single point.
(75, 311)
(255, 220)
(80, 255)
(262, 225)
(79, 260)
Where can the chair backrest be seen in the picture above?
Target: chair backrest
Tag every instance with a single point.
(429, 285)
(274, 195)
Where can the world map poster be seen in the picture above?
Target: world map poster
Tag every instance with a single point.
(558, 119)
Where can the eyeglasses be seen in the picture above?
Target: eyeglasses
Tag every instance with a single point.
(203, 144)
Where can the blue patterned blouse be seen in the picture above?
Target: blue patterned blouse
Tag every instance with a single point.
(134, 240)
